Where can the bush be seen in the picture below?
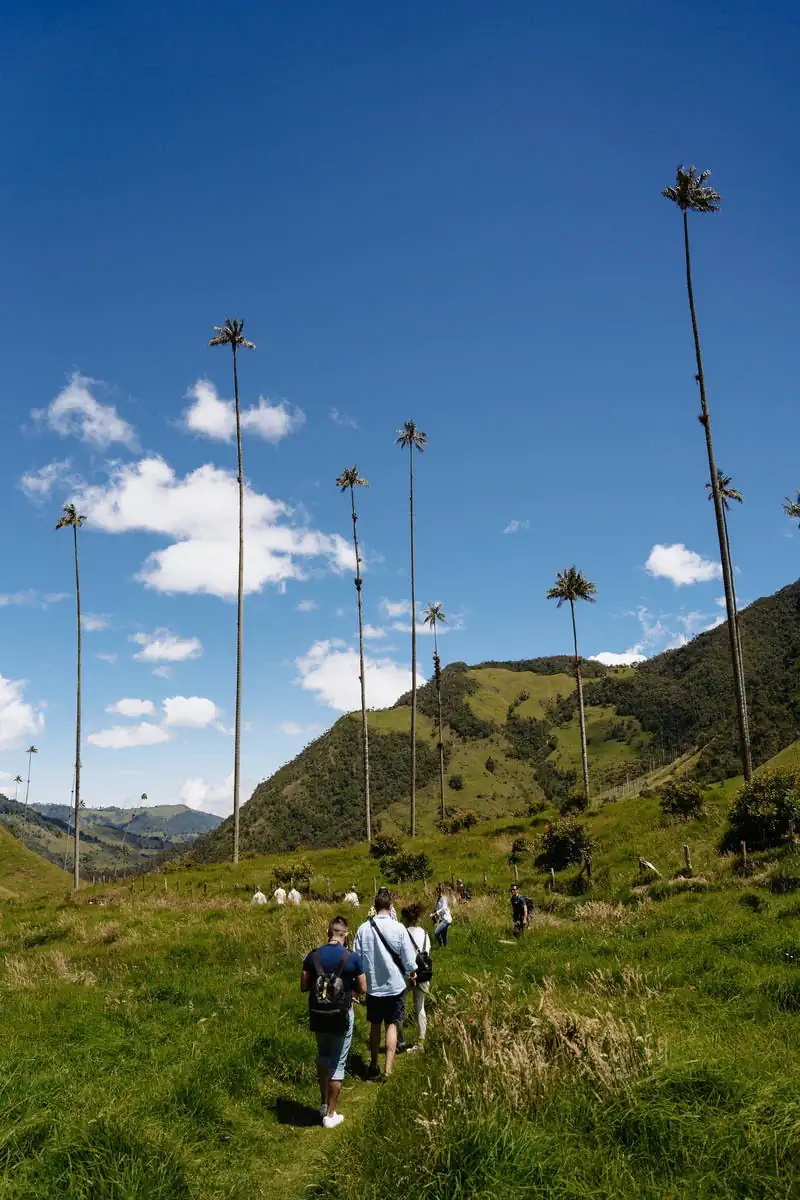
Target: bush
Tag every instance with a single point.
(383, 845)
(490, 765)
(575, 802)
(766, 810)
(296, 873)
(520, 848)
(461, 820)
(404, 867)
(456, 782)
(681, 798)
(564, 842)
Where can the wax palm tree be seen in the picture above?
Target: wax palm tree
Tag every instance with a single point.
(30, 753)
(17, 780)
(414, 439)
(434, 615)
(572, 585)
(792, 507)
(232, 334)
(691, 193)
(349, 480)
(72, 519)
(729, 493)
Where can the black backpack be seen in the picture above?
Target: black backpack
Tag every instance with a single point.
(329, 999)
(424, 963)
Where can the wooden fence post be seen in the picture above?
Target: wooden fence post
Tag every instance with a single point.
(484, 879)
(205, 889)
(328, 882)
(453, 880)
(744, 855)
(687, 860)
(552, 879)
(374, 885)
(166, 889)
(516, 880)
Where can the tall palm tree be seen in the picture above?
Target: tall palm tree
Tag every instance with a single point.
(692, 193)
(572, 585)
(72, 519)
(30, 753)
(414, 439)
(435, 615)
(232, 334)
(792, 507)
(350, 480)
(17, 780)
(729, 493)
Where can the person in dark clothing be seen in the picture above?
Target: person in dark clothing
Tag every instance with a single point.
(519, 910)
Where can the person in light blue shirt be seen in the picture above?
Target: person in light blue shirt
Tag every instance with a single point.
(386, 952)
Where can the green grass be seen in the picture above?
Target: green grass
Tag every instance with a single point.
(638, 1042)
(23, 873)
(500, 687)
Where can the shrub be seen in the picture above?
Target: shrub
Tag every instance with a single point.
(564, 842)
(461, 820)
(767, 809)
(520, 848)
(575, 802)
(490, 765)
(383, 845)
(456, 782)
(296, 872)
(404, 867)
(681, 798)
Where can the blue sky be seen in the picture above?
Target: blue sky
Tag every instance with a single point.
(448, 212)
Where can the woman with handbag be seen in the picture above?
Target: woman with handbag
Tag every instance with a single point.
(421, 942)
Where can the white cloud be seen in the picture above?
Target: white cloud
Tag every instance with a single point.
(374, 632)
(124, 737)
(162, 672)
(133, 708)
(330, 671)
(76, 412)
(516, 526)
(32, 598)
(340, 418)
(94, 622)
(18, 719)
(307, 606)
(216, 419)
(39, 485)
(164, 646)
(109, 658)
(190, 712)
(609, 659)
(681, 566)
(292, 729)
(206, 797)
(199, 513)
(720, 601)
(395, 608)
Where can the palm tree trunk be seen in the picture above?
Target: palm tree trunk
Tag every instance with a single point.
(239, 620)
(362, 675)
(27, 788)
(438, 673)
(737, 628)
(413, 652)
(76, 869)
(705, 421)
(581, 713)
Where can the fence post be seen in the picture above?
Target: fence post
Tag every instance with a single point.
(484, 879)
(205, 889)
(328, 882)
(687, 860)
(516, 880)
(552, 879)
(374, 885)
(744, 855)
(166, 889)
(453, 880)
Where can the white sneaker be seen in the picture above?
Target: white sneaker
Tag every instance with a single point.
(413, 1049)
(332, 1122)
(323, 1111)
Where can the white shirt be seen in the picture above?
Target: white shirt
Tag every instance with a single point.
(443, 910)
(279, 895)
(420, 938)
(351, 898)
(259, 898)
(294, 896)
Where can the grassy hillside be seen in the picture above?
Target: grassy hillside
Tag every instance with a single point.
(23, 873)
(640, 1041)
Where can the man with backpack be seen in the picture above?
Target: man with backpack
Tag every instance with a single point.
(521, 909)
(331, 975)
(388, 956)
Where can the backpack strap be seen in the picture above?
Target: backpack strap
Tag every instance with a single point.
(395, 957)
(316, 962)
(413, 943)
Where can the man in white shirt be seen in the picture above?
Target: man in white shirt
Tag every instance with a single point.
(294, 896)
(259, 897)
(351, 897)
(279, 895)
(387, 955)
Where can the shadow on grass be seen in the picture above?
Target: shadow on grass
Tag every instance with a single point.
(291, 1112)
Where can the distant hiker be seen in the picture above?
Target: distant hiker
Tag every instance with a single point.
(371, 912)
(294, 896)
(351, 897)
(259, 897)
(388, 956)
(331, 974)
(421, 942)
(279, 895)
(521, 909)
(442, 916)
(463, 891)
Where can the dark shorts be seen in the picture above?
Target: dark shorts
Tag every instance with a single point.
(388, 1009)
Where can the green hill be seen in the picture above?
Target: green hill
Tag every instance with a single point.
(23, 873)
(512, 736)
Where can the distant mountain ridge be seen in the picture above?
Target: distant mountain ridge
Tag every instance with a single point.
(512, 739)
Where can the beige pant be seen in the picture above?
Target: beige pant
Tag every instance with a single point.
(420, 992)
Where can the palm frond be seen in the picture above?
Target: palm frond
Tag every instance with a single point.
(691, 192)
(409, 435)
(350, 478)
(70, 517)
(434, 613)
(572, 585)
(231, 334)
(792, 507)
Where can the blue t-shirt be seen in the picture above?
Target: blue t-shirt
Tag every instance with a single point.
(331, 956)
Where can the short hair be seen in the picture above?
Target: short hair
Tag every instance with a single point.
(337, 927)
(411, 914)
(383, 900)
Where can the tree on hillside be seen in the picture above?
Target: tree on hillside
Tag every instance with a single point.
(413, 438)
(572, 585)
(350, 480)
(728, 493)
(30, 753)
(691, 193)
(17, 780)
(434, 614)
(72, 519)
(232, 334)
(792, 507)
